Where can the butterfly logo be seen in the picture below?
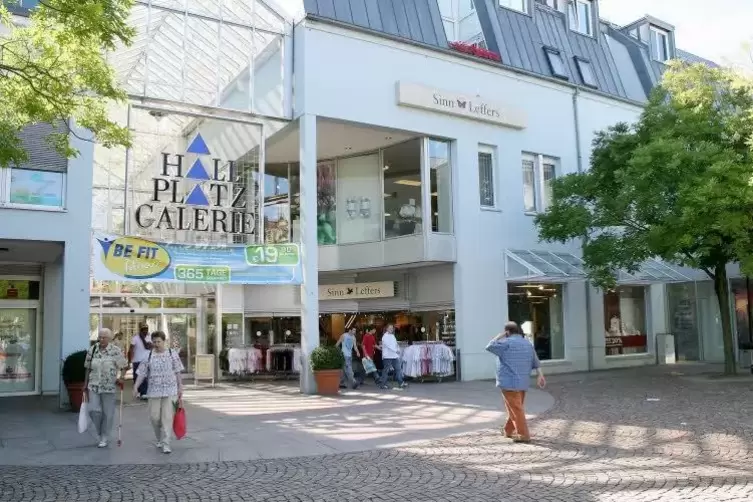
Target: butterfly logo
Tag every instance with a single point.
(350, 291)
(462, 103)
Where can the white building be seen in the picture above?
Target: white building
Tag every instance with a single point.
(408, 171)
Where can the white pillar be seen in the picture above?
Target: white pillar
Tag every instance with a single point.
(309, 250)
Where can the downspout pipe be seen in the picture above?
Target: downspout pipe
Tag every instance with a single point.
(579, 154)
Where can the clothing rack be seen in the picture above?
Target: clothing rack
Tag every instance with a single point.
(428, 360)
(284, 360)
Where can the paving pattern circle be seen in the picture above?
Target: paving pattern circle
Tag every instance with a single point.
(647, 437)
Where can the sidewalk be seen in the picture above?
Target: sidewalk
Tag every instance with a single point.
(260, 421)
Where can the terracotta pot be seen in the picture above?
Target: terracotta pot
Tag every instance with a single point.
(75, 395)
(327, 382)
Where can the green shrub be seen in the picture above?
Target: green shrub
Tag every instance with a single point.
(73, 368)
(327, 357)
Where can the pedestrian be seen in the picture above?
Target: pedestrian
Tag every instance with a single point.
(105, 365)
(391, 358)
(516, 359)
(162, 368)
(141, 344)
(347, 344)
(368, 346)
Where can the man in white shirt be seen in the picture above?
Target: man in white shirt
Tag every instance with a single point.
(141, 344)
(391, 358)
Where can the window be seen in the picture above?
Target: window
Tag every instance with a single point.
(31, 187)
(486, 184)
(580, 13)
(449, 29)
(440, 176)
(403, 213)
(556, 63)
(659, 44)
(478, 41)
(537, 308)
(553, 4)
(586, 72)
(519, 5)
(539, 173)
(625, 321)
(326, 203)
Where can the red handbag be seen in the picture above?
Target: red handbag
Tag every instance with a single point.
(179, 420)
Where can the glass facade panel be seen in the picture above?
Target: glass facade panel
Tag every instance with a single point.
(38, 188)
(18, 344)
(537, 308)
(440, 175)
(486, 179)
(181, 331)
(742, 295)
(19, 290)
(326, 203)
(402, 189)
(359, 190)
(625, 321)
(277, 194)
(683, 320)
(529, 186)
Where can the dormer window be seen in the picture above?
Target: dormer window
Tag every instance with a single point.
(519, 5)
(556, 63)
(660, 44)
(581, 15)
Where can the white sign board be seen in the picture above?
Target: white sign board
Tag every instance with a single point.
(462, 105)
(360, 291)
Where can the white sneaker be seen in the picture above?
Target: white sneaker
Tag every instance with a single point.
(102, 443)
(158, 444)
(166, 449)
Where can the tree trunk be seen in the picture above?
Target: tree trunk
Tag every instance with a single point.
(721, 286)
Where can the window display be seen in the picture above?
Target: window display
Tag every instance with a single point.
(440, 174)
(537, 308)
(683, 320)
(403, 213)
(326, 203)
(359, 189)
(625, 320)
(18, 339)
(277, 204)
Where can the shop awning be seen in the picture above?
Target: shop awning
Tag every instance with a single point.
(531, 264)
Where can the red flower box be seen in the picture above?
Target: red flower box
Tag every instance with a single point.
(475, 50)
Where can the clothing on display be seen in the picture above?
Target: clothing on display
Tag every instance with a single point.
(244, 361)
(428, 359)
(284, 359)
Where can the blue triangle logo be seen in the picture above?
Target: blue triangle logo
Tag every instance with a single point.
(105, 245)
(198, 146)
(197, 197)
(197, 171)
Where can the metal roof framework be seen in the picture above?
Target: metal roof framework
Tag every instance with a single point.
(556, 266)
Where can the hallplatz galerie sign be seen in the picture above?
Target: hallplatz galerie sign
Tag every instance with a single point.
(139, 259)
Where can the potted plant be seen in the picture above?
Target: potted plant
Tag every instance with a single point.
(327, 362)
(74, 376)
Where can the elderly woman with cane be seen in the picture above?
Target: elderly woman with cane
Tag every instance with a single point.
(105, 364)
(162, 369)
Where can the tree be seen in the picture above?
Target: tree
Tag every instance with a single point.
(677, 185)
(53, 69)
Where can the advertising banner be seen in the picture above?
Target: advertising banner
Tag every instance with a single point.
(140, 259)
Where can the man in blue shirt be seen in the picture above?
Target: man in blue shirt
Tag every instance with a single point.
(347, 344)
(516, 359)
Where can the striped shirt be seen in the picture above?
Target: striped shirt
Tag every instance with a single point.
(516, 359)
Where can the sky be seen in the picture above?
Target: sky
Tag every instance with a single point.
(714, 29)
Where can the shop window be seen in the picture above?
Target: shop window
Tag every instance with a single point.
(326, 203)
(625, 321)
(132, 302)
(683, 320)
(486, 181)
(277, 220)
(359, 190)
(537, 308)
(742, 292)
(180, 303)
(539, 173)
(19, 290)
(36, 188)
(403, 213)
(440, 175)
(18, 345)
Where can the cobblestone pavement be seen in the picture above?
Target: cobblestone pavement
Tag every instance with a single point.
(636, 435)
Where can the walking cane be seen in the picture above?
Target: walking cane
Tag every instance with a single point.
(120, 421)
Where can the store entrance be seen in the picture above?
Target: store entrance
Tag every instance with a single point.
(18, 343)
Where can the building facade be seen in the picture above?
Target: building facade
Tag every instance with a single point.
(407, 171)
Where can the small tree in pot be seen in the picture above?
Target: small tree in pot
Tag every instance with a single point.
(74, 377)
(327, 362)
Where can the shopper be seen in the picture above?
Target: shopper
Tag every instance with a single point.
(516, 359)
(162, 369)
(105, 365)
(347, 344)
(391, 358)
(141, 344)
(368, 345)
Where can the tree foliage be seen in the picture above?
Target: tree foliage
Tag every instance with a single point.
(53, 69)
(677, 185)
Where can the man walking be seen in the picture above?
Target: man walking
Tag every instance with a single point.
(347, 344)
(391, 358)
(141, 344)
(516, 359)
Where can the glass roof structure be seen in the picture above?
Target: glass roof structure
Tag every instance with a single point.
(524, 265)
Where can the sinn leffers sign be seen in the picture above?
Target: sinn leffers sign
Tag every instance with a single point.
(452, 103)
(358, 291)
(197, 191)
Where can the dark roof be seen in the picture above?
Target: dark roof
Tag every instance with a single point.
(417, 20)
(692, 58)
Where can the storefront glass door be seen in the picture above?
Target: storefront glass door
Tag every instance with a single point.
(18, 348)
(182, 332)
